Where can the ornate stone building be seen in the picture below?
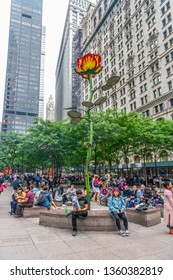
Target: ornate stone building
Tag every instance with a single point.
(50, 109)
(135, 41)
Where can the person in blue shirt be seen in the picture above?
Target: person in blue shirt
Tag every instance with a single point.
(37, 180)
(117, 209)
(140, 193)
(45, 198)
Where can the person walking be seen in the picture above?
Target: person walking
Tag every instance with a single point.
(168, 206)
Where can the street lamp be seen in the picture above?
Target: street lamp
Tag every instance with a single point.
(88, 66)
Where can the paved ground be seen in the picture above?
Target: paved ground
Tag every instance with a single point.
(25, 239)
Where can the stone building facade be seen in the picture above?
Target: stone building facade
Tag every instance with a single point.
(135, 41)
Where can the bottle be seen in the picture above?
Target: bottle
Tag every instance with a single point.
(65, 210)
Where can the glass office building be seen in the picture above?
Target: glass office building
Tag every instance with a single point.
(22, 85)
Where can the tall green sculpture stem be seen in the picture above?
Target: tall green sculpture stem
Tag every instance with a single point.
(90, 144)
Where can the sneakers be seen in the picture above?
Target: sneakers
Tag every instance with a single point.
(122, 233)
(74, 232)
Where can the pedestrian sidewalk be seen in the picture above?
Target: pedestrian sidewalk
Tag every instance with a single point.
(23, 239)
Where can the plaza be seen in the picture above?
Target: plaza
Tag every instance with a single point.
(25, 239)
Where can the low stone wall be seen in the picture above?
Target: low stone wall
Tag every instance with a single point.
(98, 220)
(160, 206)
(34, 212)
(147, 218)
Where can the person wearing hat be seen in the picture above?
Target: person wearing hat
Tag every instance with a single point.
(117, 209)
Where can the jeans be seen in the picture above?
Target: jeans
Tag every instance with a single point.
(117, 218)
(13, 204)
(76, 215)
(22, 205)
(131, 202)
(65, 198)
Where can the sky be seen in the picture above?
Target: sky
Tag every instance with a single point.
(54, 14)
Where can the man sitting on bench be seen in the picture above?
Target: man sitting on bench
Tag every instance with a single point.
(80, 207)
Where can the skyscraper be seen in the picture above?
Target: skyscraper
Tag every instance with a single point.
(76, 79)
(41, 96)
(63, 90)
(22, 86)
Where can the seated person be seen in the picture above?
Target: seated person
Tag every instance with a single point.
(117, 209)
(133, 197)
(127, 193)
(140, 193)
(158, 198)
(80, 207)
(26, 202)
(34, 189)
(17, 197)
(113, 183)
(58, 191)
(104, 192)
(70, 193)
(148, 193)
(44, 197)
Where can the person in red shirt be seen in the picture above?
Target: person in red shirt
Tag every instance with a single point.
(27, 202)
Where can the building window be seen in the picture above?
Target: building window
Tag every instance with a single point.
(164, 22)
(170, 85)
(171, 102)
(167, 59)
(168, 70)
(169, 17)
(105, 4)
(166, 46)
(163, 11)
(156, 80)
(165, 34)
(168, 6)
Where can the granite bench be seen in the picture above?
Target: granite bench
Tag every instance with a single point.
(33, 212)
(147, 218)
(98, 220)
(161, 207)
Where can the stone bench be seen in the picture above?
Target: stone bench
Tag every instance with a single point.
(34, 212)
(147, 218)
(161, 207)
(98, 220)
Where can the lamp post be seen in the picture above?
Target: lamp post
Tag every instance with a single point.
(88, 67)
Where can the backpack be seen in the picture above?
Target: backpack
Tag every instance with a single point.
(41, 198)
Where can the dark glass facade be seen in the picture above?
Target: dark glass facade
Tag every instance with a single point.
(22, 86)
